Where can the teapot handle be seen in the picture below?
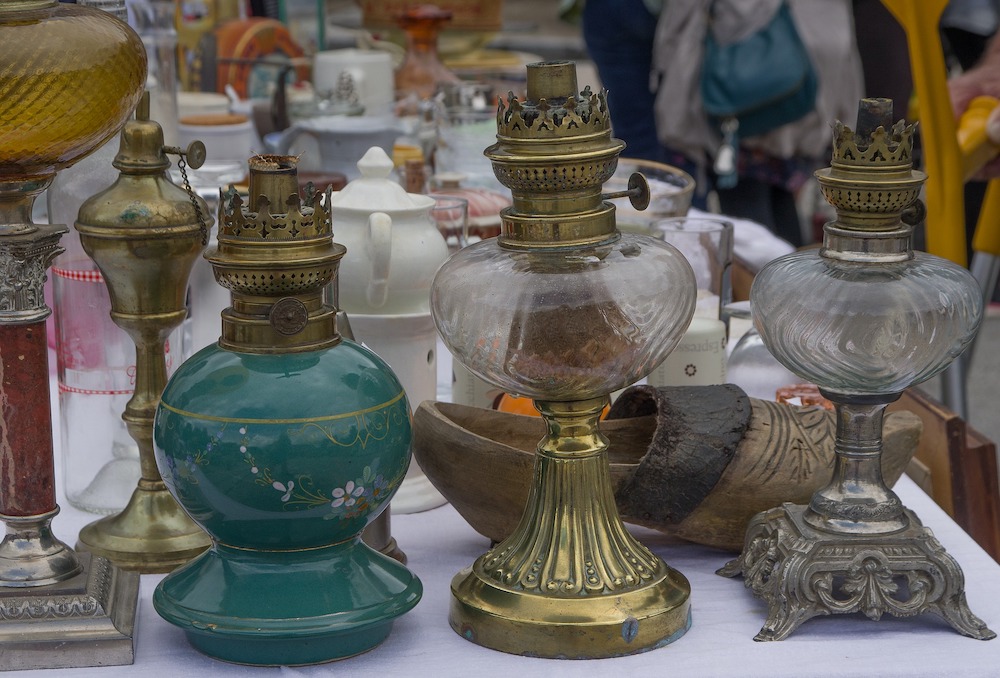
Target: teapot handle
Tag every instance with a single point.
(378, 247)
(283, 144)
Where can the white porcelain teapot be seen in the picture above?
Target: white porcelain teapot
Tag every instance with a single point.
(341, 139)
(393, 247)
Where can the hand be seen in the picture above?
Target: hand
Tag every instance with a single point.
(984, 80)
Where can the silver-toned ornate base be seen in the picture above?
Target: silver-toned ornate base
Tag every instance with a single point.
(802, 572)
(88, 620)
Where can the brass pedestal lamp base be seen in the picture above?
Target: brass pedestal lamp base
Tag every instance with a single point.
(607, 624)
(804, 572)
(87, 620)
(570, 582)
(151, 535)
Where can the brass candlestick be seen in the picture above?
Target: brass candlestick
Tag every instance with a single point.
(57, 608)
(563, 308)
(145, 234)
(864, 318)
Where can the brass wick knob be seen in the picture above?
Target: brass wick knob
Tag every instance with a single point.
(637, 192)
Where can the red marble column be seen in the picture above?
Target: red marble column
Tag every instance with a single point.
(27, 471)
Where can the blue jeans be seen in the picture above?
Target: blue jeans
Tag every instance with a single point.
(619, 38)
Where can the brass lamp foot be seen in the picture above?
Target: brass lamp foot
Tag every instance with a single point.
(803, 572)
(589, 627)
(151, 535)
(570, 582)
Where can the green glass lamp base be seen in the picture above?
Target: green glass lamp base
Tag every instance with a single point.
(287, 608)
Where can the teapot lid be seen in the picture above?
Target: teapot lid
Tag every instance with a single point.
(374, 190)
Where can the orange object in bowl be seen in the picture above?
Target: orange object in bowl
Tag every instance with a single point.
(517, 405)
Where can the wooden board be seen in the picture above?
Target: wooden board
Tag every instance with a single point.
(962, 467)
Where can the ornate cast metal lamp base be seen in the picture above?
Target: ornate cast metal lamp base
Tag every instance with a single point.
(804, 572)
(570, 582)
(87, 620)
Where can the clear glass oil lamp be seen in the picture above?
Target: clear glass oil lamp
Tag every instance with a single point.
(864, 318)
(564, 309)
(71, 76)
(283, 441)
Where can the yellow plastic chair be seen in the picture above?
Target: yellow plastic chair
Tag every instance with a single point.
(952, 154)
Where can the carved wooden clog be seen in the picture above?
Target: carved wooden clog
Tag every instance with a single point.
(693, 462)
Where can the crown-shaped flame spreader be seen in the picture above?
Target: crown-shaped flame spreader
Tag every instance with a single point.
(886, 148)
(584, 113)
(297, 219)
(871, 180)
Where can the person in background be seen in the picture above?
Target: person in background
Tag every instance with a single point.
(772, 168)
(983, 79)
(618, 36)
(647, 54)
(967, 27)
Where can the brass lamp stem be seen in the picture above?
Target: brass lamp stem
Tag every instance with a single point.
(150, 378)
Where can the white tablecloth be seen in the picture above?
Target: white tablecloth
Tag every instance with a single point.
(725, 619)
(720, 642)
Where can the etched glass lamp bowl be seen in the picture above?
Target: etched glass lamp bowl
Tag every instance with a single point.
(856, 329)
(564, 324)
(564, 309)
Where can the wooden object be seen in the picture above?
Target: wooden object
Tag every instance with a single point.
(482, 461)
(742, 279)
(961, 465)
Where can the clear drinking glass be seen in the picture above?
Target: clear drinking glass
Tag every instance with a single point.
(750, 365)
(451, 216)
(707, 244)
(96, 377)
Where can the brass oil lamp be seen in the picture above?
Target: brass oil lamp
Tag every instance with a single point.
(564, 309)
(864, 318)
(71, 76)
(145, 234)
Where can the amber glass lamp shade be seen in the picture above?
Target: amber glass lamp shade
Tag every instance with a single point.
(70, 77)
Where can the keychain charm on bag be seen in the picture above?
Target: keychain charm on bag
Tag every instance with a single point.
(755, 85)
(725, 158)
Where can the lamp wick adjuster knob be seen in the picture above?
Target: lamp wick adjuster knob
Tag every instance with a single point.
(194, 154)
(637, 192)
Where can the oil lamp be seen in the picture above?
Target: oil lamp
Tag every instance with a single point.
(283, 441)
(145, 233)
(70, 77)
(564, 309)
(864, 318)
